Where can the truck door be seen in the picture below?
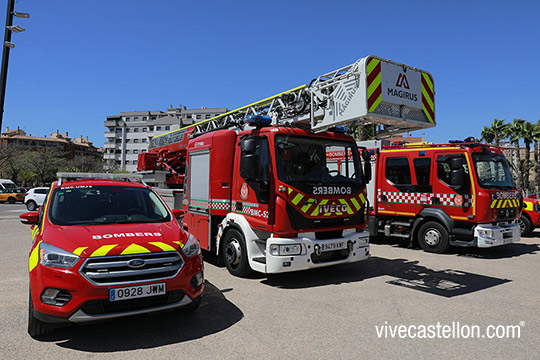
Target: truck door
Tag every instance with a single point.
(198, 205)
(456, 201)
(396, 191)
(423, 183)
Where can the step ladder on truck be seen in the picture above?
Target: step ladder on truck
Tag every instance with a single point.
(260, 189)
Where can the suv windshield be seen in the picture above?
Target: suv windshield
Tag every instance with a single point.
(95, 205)
(493, 171)
(317, 160)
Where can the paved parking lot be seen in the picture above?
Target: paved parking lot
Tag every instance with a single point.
(332, 312)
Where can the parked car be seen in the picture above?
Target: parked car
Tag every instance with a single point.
(12, 195)
(105, 249)
(7, 184)
(34, 197)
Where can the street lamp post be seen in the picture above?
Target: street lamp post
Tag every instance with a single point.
(7, 46)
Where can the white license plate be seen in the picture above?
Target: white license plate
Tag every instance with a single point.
(333, 246)
(133, 292)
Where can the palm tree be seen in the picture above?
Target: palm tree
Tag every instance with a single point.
(536, 139)
(527, 133)
(513, 132)
(487, 135)
(498, 128)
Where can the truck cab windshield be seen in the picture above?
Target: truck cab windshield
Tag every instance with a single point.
(493, 171)
(317, 161)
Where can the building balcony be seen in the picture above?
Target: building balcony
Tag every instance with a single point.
(111, 134)
(109, 156)
(111, 123)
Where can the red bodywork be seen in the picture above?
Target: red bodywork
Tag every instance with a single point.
(100, 241)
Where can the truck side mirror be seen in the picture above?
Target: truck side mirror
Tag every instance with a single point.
(249, 160)
(367, 165)
(457, 178)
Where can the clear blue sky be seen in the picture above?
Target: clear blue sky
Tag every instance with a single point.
(80, 61)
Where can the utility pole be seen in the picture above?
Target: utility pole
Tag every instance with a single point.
(7, 45)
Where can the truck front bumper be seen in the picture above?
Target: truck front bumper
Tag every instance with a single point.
(306, 252)
(488, 235)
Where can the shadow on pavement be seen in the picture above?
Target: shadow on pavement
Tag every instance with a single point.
(215, 314)
(409, 274)
(498, 252)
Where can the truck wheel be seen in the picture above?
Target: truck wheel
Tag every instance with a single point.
(525, 226)
(433, 237)
(36, 327)
(11, 200)
(234, 253)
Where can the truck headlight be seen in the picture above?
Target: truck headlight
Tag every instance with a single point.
(486, 233)
(52, 256)
(284, 250)
(363, 241)
(191, 247)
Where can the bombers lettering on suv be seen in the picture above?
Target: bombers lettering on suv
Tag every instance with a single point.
(105, 248)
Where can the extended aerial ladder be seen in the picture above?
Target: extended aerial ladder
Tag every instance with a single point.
(396, 98)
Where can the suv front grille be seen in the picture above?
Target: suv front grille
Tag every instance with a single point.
(116, 270)
(96, 307)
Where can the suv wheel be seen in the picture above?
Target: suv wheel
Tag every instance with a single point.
(36, 327)
(31, 205)
(11, 200)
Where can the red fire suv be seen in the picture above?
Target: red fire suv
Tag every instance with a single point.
(530, 216)
(105, 248)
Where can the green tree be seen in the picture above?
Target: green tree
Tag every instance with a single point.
(487, 135)
(45, 164)
(498, 129)
(536, 155)
(514, 134)
(527, 133)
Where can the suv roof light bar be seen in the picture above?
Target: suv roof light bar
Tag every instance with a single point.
(66, 176)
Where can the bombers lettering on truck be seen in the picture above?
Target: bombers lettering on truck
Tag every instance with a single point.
(121, 235)
(332, 190)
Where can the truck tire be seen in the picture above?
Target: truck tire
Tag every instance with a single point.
(525, 226)
(234, 253)
(36, 328)
(31, 205)
(11, 200)
(433, 237)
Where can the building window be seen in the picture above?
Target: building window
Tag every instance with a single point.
(144, 118)
(127, 118)
(143, 150)
(136, 130)
(158, 128)
(135, 151)
(118, 130)
(208, 116)
(198, 116)
(127, 151)
(153, 118)
(136, 118)
(189, 116)
(118, 151)
(128, 130)
(134, 162)
(144, 140)
(167, 128)
(118, 141)
(143, 129)
(135, 140)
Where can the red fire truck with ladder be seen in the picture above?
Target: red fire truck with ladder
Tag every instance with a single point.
(260, 186)
(437, 195)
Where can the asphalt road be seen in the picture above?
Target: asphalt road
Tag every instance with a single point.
(323, 314)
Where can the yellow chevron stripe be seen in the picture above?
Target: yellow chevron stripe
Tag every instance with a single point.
(102, 251)
(493, 203)
(356, 204)
(375, 104)
(162, 246)
(372, 65)
(78, 251)
(34, 258)
(426, 96)
(290, 191)
(349, 210)
(374, 85)
(297, 199)
(426, 112)
(428, 82)
(135, 249)
(308, 205)
(316, 211)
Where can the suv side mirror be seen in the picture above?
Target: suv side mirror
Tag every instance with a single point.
(30, 218)
(178, 213)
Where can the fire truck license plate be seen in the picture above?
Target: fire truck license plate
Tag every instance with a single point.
(333, 246)
(133, 292)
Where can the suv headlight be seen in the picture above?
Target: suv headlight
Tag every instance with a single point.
(52, 256)
(191, 248)
(537, 208)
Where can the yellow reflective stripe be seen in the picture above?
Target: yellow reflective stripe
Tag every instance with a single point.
(316, 211)
(362, 198)
(297, 199)
(428, 82)
(426, 96)
(135, 249)
(78, 251)
(46, 207)
(493, 203)
(372, 65)
(34, 258)
(349, 210)
(163, 246)
(356, 204)
(102, 251)
(426, 112)
(290, 191)
(375, 104)
(179, 244)
(308, 205)
(505, 203)
(35, 230)
(374, 85)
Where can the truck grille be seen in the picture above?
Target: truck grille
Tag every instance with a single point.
(506, 214)
(129, 269)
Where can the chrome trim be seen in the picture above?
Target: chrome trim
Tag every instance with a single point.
(80, 316)
(97, 275)
(167, 258)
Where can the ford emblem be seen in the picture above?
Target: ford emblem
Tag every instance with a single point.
(136, 263)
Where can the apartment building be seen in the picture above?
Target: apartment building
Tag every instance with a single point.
(129, 133)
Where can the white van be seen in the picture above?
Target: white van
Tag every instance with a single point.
(7, 184)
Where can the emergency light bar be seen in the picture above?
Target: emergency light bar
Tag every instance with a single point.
(65, 176)
(257, 120)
